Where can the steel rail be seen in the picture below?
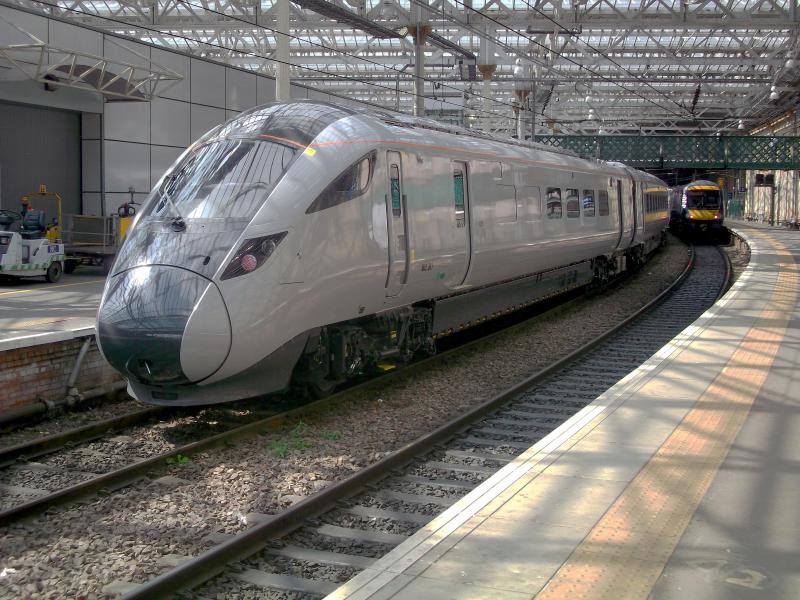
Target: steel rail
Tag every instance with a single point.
(212, 562)
(52, 443)
(129, 473)
(728, 274)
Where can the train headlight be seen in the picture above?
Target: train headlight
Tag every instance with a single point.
(249, 262)
(252, 254)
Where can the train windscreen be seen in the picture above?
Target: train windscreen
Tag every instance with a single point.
(702, 198)
(223, 179)
(230, 171)
(295, 123)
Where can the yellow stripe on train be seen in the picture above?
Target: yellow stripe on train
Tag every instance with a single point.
(703, 187)
(656, 216)
(702, 215)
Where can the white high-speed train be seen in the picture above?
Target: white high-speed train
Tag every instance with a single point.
(304, 243)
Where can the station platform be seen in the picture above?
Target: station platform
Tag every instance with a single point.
(47, 346)
(682, 481)
(35, 312)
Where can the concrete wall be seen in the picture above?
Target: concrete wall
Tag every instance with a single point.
(128, 145)
(39, 146)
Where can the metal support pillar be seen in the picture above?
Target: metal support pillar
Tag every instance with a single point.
(419, 74)
(772, 219)
(487, 67)
(282, 81)
(487, 98)
(419, 30)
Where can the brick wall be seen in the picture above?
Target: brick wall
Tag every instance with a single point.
(41, 372)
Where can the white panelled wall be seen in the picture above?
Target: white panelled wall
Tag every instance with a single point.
(130, 144)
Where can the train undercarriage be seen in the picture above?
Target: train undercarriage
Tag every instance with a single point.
(377, 343)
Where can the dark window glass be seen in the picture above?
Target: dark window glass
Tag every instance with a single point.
(228, 178)
(350, 184)
(602, 203)
(458, 190)
(553, 203)
(573, 204)
(296, 123)
(588, 203)
(394, 171)
(702, 198)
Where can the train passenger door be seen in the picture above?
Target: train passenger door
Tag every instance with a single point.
(397, 226)
(462, 236)
(620, 210)
(635, 210)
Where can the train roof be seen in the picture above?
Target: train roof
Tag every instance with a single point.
(402, 120)
(300, 121)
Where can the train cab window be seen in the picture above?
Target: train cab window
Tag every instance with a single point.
(458, 188)
(602, 203)
(588, 203)
(349, 185)
(394, 179)
(553, 203)
(573, 204)
(222, 179)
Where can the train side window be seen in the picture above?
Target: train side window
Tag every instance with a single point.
(349, 185)
(553, 206)
(458, 188)
(395, 189)
(588, 203)
(602, 203)
(573, 204)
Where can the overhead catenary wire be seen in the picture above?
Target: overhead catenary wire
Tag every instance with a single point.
(350, 55)
(247, 52)
(253, 54)
(567, 58)
(599, 52)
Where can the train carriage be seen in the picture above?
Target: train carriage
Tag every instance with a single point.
(697, 208)
(305, 243)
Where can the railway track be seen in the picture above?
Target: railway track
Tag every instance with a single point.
(62, 482)
(320, 542)
(79, 463)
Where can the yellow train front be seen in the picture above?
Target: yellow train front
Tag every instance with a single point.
(697, 208)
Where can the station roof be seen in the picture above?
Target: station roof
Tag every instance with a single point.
(585, 66)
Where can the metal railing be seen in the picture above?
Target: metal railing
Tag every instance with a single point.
(724, 152)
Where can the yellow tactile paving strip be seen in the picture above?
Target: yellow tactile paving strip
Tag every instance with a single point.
(626, 551)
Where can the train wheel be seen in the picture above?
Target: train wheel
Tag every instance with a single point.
(54, 272)
(318, 390)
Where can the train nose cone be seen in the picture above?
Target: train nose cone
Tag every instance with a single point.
(163, 325)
